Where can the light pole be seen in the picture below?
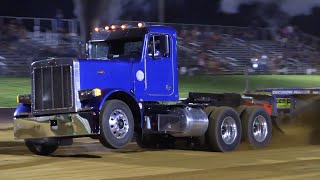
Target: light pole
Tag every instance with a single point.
(254, 64)
(246, 73)
(161, 11)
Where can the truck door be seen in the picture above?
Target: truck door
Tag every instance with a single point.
(159, 66)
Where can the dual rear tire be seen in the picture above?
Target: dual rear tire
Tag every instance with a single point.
(256, 126)
(227, 129)
(224, 130)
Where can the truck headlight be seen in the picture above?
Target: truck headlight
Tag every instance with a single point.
(89, 93)
(96, 92)
(24, 98)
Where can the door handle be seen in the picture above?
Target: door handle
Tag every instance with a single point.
(168, 87)
(100, 71)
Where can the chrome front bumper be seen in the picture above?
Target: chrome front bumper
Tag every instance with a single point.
(52, 126)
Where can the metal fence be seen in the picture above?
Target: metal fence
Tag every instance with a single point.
(37, 25)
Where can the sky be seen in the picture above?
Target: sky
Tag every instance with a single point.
(178, 11)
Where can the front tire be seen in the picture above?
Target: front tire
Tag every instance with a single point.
(146, 141)
(116, 124)
(257, 126)
(224, 131)
(43, 146)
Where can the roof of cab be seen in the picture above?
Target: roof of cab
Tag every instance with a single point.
(161, 28)
(135, 31)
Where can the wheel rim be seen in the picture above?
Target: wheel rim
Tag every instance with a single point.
(229, 130)
(118, 124)
(260, 128)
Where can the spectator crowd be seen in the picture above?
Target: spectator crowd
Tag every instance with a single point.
(198, 45)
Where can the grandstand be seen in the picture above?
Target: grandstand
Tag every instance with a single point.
(25, 40)
(202, 48)
(236, 50)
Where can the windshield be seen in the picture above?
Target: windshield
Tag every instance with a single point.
(110, 49)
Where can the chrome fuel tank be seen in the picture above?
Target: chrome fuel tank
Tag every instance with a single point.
(184, 122)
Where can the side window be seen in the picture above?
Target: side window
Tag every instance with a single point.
(159, 46)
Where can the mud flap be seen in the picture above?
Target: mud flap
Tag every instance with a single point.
(275, 124)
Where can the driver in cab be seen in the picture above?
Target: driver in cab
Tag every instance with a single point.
(154, 46)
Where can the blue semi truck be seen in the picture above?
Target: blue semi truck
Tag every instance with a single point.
(127, 87)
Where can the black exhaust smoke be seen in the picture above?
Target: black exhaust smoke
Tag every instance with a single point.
(92, 13)
(89, 14)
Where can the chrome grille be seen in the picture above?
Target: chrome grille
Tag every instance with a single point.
(52, 89)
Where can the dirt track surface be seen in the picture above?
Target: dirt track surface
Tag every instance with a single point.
(6, 113)
(288, 157)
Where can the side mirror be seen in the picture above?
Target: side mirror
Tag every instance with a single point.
(165, 45)
(87, 50)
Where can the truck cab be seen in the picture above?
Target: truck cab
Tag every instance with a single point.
(128, 85)
(138, 57)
